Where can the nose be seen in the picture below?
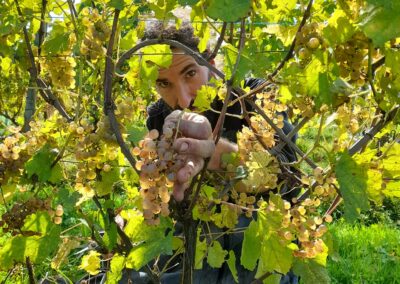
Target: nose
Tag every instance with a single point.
(184, 96)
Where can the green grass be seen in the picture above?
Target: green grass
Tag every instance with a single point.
(365, 254)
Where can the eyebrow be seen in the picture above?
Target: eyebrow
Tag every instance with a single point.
(183, 71)
(187, 68)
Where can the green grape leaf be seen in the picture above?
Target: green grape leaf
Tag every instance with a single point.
(136, 133)
(187, 2)
(393, 60)
(392, 189)
(251, 248)
(232, 265)
(208, 190)
(316, 79)
(204, 98)
(159, 54)
(57, 174)
(311, 272)
(228, 10)
(272, 279)
(263, 170)
(149, 241)
(391, 161)
(162, 8)
(380, 20)
(117, 4)
(274, 256)
(202, 31)
(227, 218)
(5, 64)
(275, 10)
(129, 39)
(285, 95)
(110, 236)
(177, 243)
(339, 28)
(216, 255)
(271, 222)
(201, 251)
(105, 185)
(352, 179)
(116, 266)
(284, 33)
(67, 198)
(37, 247)
(250, 63)
(91, 262)
(321, 257)
(57, 41)
(391, 171)
(374, 185)
(40, 164)
(39, 222)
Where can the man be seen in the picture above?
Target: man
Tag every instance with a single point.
(178, 85)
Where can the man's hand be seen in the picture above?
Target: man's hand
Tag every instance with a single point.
(195, 145)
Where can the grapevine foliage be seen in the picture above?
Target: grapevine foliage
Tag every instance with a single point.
(73, 173)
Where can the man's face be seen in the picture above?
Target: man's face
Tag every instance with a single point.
(178, 84)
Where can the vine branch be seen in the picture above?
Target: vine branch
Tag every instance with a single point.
(219, 42)
(45, 92)
(30, 271)
(109, 105)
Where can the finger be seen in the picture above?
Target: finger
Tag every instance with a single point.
(192, 166)
(184, 176)
(198, 128)
(179, 190)
(190, 124)
(200, 148)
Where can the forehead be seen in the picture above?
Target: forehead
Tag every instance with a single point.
(179, 62)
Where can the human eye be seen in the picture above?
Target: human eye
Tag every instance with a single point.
(162, 84)
(191, 73)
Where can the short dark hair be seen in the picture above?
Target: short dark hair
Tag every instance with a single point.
(184, 34)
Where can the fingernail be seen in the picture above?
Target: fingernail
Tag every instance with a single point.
(184, 147)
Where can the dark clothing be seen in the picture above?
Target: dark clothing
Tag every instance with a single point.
(157, 113)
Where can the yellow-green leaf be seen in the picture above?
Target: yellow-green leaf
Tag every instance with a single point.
(91, 262)
(205, 97)
(339, 28)
(275, 256)
(216, 255)
(228, 10)
(251, 247)
(201, 251)
(380, 20)
(352, 179)
(310, 272)
(232, 265)
(116, 266)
